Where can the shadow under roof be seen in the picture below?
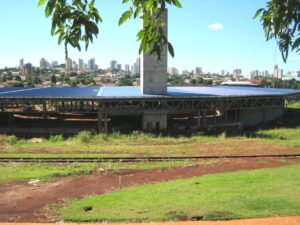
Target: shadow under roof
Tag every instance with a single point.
(134, 92)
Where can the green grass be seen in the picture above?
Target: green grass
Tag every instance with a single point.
(15, 171)
(139, 144)
(287, 136)
(22, 171)
(246, 194)
(295, 105)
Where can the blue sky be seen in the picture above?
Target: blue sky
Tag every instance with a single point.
(240, 43)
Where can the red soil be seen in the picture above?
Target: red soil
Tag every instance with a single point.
(22, 202)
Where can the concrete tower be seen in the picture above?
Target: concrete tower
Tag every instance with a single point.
(153, 72)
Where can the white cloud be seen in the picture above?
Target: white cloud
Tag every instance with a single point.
(216, 26)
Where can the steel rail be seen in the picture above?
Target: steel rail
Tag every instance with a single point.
(135, 159)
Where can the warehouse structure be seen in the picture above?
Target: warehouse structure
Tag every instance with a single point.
(102, 109)
(151, 107)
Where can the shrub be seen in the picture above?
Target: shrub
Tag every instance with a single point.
(11, 140)
(102, 137)
(118, 136)
(56, 138)
(84, 136)
(222, 135)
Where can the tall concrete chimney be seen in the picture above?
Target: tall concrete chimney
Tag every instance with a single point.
(153, 72)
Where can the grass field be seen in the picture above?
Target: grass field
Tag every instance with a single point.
(139, 144)
(17, 171)
(246, 194)
(295, 105)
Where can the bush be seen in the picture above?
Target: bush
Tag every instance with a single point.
(222, 135)
(11, 140)
(56, 138)
(102, 137)
(84, 136)
(118, 136)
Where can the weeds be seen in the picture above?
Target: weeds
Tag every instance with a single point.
(56, 138)
(85, 136)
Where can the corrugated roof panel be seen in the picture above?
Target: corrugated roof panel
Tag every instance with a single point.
(129, 91)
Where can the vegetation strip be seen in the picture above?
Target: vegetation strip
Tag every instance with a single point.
(236, 195)
(138, 159)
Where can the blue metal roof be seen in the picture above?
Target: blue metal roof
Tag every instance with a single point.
(134, 92)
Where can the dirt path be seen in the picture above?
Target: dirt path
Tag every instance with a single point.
(22, 202)
(294, 220)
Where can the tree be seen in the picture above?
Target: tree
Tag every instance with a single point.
(53, 79)
(281, 21)
(76, 21)
(18, 78)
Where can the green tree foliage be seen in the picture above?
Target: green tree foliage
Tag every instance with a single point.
(76, 21)
(53, 79)
(176, 79)
(4, 78)
(73, 21)
(18, 84)
(127, 80)
(278, 83)
(32, 79)
(281, 21)
(18, 78)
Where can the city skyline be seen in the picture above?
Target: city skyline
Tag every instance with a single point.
(213, 39)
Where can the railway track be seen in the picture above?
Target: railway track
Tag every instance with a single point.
(136, 159)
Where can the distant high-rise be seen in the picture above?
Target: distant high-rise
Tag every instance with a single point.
(119, 67)
(237, 73)
(127, 68)
(113, 65)
(69, 64)
(54, 63)
(298, 75)
(173, 71)
(254, 74)
(44, 63)
(277, 73)
(80, 64)
(185, 72)
(223, 73)
(91, 64)
(198, 71)
(21, 63)
(137, 66)
(27, 69)
(74, 65)
(265, 73)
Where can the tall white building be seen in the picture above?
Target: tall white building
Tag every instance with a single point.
(80, 64)
(173, 71)
(113, 65)
(54, 63)
(127, 68)
(237, 73)
(277, 73)
(74, 65)
(69, 64)
(91, 64)
(119, 67)
(198, 71)
(254, 74)
(44, 64)
(21, 63)
(136, 67)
